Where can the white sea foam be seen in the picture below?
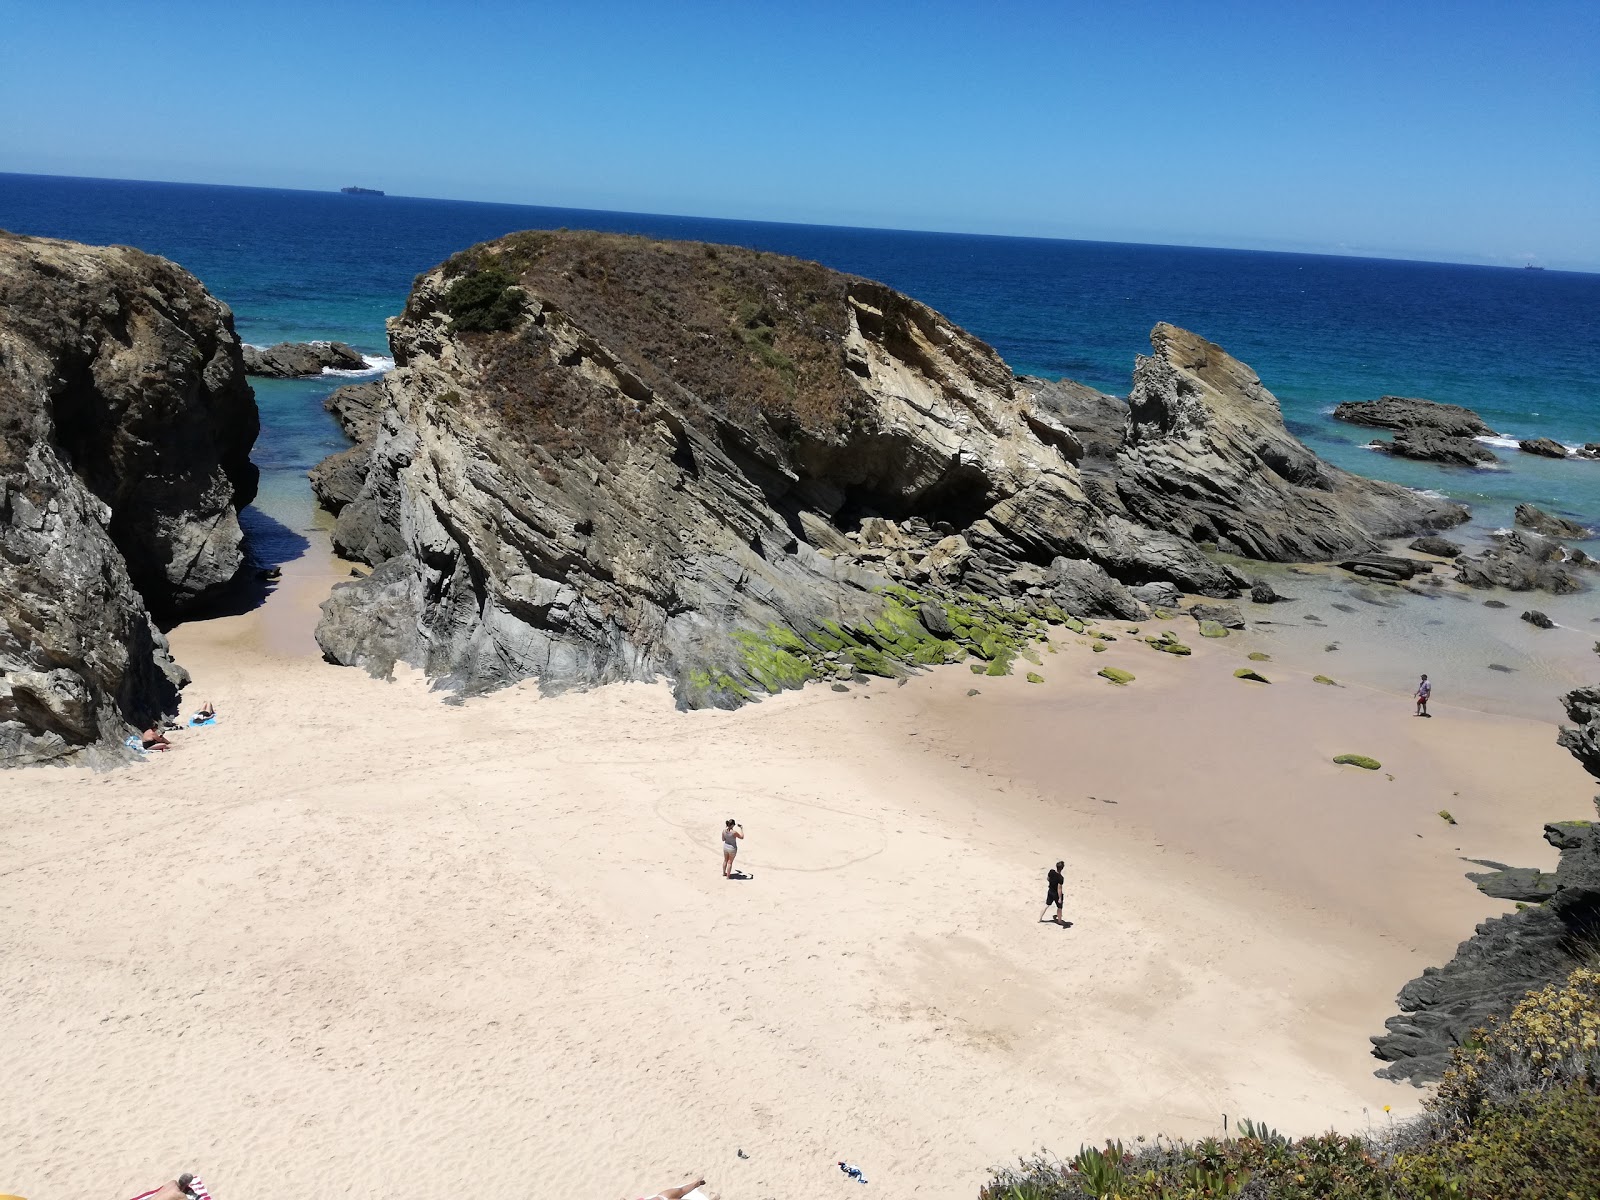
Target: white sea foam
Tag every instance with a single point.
(377, 364)
(1502, 532)
(1504, 442)
(1430, 493)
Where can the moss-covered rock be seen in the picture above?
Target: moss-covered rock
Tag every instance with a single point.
(1247, 673)
(1325, 679)
(1098, 647)
(1212, 629)
(1358, 760)
(1257, 656)
(1116, 675)
(1162, 614)
(1035, 677)
(1444, 815)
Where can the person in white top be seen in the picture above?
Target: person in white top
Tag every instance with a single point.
(1424, 690)
(731, 833)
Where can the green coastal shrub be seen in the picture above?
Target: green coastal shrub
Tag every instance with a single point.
(1358, 760)
(484, 301)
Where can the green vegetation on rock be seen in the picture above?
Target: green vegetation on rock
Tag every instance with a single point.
(1116, 675)
(1517, 1117)
(1035, 677)
(1325, 679)
(484, 301)
(1098, 647)
(1247, 673)
(1358, 760)
(1257, 656)
(1444, 815)
(1212, 629)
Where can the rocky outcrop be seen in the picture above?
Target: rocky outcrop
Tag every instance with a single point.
(1428, 445)
(337, 479)
(1409, 413)
(1207, 455)
(1386, 568)
(1509, 956)
(125, 432)
(1523, 562)
(1542, 446)
(609, 458)
(297, 360)
(1528, 516)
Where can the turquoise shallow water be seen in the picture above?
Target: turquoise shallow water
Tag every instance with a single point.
(1515, 345)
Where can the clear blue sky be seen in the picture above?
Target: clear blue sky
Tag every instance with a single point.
(1467, 131)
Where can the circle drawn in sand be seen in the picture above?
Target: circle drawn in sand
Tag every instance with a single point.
(785, 834)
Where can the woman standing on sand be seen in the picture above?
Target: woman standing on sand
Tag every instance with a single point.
(731, 833)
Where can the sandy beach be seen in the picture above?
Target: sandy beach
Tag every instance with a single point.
(357, 938)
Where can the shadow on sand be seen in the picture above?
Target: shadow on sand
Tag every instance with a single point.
(268, 544)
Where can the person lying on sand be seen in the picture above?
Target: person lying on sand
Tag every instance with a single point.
(207, 711)
(677, 1193)
(181, 1188)
(154, 739)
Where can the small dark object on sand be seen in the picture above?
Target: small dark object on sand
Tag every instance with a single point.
(1495, 604)
(974, 692)
(1502, 668)
(1537, 619)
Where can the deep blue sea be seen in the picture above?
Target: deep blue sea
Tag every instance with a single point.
(1516, 345)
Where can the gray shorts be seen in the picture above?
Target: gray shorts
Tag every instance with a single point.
(730, 848)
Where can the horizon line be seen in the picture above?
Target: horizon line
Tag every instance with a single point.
(1020, 237)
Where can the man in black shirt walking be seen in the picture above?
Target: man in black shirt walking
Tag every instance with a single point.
(1052, 896)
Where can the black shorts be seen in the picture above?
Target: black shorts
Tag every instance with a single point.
(1052, 899)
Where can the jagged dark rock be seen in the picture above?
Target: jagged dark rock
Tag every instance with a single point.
(1409, 413)
(125, 433)
(298, 360)
(1262, 592)
(1226, 615)
(1542, 446)
(1538, 619)
(1521, 562)
(645, 458)
(1527, 516)
(1207, 455)
(1429, 445)
(1590, 450)
(1437, 546)
(1523, 884)
(1511, 955)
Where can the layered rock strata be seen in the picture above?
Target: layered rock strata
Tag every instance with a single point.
(1511, 955)
(610, 458)
(125, 433)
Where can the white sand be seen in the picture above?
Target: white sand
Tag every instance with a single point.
(354, 940)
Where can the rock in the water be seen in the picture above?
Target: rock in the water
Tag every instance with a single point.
(1537, 619)
(1522, 562)
(125, 433)
(1437, 546)
(1409, 413)
(1544, 447)
(1386, 568)
(297, 360)
(1590, 450)
(1527, 516)
(1227, 615)
(1262, 592)
(337, 479)
(1207, 453)
(1427, 445)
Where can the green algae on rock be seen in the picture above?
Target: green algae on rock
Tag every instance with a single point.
(1325, 679)
(1035, 677)
(1247, 673)
(1116, 675)
(1357, 760)
(1257, 656)
(1212, 629)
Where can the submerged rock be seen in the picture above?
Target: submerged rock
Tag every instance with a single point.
(1522, 562)
(1410, 413)
(1538, 619)
(1427, 445)
(298, 360)
(1386, 568)
(125, 433)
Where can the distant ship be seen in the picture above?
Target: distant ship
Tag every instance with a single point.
(1525, 266)
(355, 191)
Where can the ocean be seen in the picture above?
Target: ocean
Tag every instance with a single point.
(1516, 345)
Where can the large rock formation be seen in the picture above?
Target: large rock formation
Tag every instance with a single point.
(298, 360)
(610, 458)
(1524, 562)
(1509, 956)
(1407, 412)
(125, 433)
(1207, 455)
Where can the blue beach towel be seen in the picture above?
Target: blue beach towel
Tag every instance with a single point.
(133, 743)
(197, 721)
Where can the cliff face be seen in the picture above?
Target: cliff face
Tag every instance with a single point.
(1207, 454)
(125, 433)
(607, 458)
